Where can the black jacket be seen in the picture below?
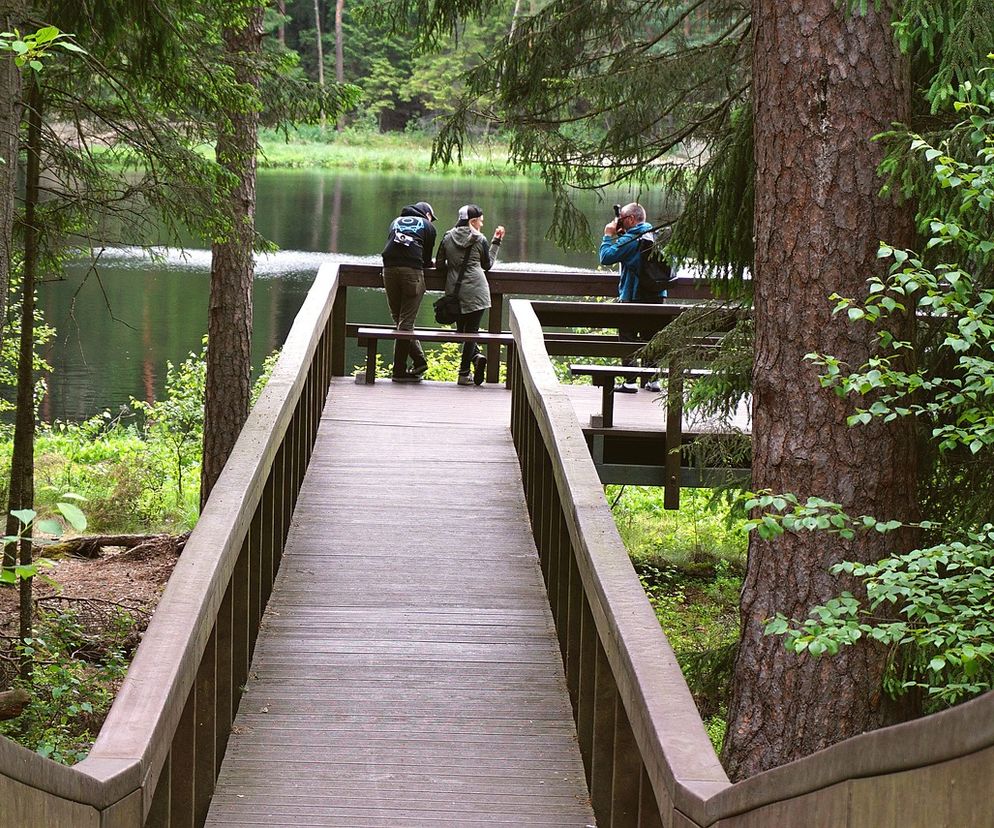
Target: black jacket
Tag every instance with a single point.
(410, 240)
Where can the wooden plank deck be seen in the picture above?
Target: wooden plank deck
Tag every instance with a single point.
(407, 672)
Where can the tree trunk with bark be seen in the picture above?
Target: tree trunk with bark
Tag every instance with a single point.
(11, 17)
(229, 320)
(319, 45)
(824, 82)
(22, 466)
(339, 42)
(281, 27)
(339, 53)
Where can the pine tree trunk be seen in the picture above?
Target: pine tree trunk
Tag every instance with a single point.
(229, 321)
(824, 83)
(281, 28)
(22, 490)
(339, 42)
(339, 53)
(11, 17)
(320, 50)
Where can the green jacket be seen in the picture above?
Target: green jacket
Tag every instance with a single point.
(474, 292)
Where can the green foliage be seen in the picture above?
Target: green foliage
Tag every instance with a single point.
(174, 425)
(74, 680)
(40, 533)
(139, 470)
(31, 49)
(702, 530)
(815, 514)
(10, 346)
(363, 149)
(127, 477)
(932, 606)
(690, 563)
(945, 630)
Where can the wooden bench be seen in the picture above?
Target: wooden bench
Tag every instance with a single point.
(605, 376)
(369, 336)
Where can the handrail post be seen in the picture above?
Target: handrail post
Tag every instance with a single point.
(674, 434)
(338, 317)
(495, 325)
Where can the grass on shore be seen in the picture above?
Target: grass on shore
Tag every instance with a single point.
(376, 152)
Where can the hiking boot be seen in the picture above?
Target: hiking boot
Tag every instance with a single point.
(626, 388)
(479, 369)
(419, 370)
(405, 378)
(653, 386)
(464, 380)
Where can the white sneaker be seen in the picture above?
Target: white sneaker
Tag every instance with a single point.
(626, 388)
(653, 387)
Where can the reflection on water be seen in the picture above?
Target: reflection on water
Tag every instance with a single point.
(119, 322)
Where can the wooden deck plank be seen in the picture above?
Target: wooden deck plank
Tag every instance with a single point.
(407, 670)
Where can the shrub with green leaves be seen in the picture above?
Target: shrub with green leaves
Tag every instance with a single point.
(138, 469)
(72, 687)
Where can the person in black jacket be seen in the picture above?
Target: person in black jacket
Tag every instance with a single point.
(408, 251)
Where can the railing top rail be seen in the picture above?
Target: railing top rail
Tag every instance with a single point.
(135, 739)
(675, 748)
(562, 282)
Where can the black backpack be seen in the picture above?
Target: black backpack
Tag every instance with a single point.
(654, 273)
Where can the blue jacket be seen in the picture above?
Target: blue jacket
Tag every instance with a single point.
(626, 251)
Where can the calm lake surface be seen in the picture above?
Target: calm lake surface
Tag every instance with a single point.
(121, 320)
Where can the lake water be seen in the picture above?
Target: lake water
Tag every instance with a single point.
(119, 321)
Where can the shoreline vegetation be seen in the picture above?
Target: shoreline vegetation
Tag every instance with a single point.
(361, 151)
(375, 152)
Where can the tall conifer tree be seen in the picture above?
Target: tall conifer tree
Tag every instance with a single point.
(229, 322)
(824, 83)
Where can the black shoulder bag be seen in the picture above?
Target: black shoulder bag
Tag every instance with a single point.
(447, 307)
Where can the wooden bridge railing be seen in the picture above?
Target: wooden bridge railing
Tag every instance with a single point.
(647, 757)
(503, 283)
(160, 749)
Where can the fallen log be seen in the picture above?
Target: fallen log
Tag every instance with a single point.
(90, 546)
(12, 703)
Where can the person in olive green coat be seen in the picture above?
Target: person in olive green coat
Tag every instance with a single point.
(473, 290)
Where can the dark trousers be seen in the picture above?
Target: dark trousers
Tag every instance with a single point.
(405, 287)
(634, 335)
(469, 323)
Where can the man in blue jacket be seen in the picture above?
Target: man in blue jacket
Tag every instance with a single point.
(621, 244)
(407, 254)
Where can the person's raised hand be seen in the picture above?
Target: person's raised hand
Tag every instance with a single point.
(611, 228)
(499, 232)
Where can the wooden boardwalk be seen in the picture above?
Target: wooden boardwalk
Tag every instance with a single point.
(407, 672)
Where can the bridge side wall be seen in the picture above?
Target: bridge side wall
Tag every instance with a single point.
(25, 806)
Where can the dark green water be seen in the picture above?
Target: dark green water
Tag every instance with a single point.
(120, 322)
